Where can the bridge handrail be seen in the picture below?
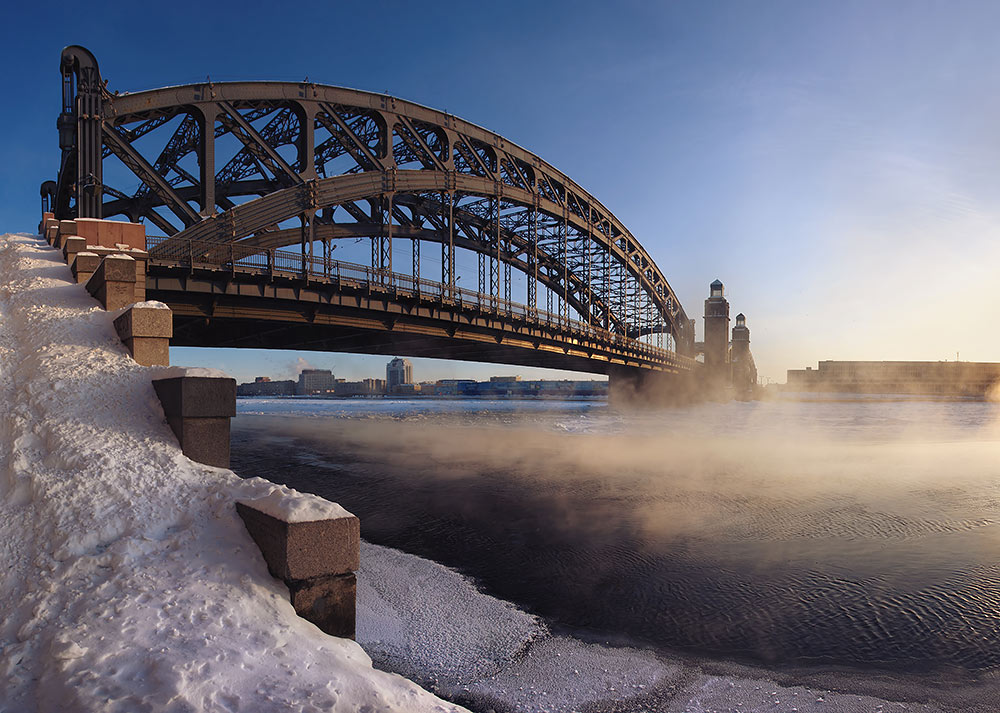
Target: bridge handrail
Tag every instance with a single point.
(236, 255)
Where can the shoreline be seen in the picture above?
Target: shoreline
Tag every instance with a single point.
(618, 675)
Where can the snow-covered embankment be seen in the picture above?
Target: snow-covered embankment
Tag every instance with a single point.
(129, 581)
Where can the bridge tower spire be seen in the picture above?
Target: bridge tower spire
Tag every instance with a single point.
(717, 334)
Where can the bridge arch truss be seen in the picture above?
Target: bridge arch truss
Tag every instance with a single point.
(270, 165)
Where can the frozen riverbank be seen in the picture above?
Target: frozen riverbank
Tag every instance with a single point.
(131, 585)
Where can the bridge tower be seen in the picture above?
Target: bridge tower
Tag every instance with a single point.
(744, 370)
(717, 334)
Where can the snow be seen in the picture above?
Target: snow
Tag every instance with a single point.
(131, 584)
(283, 503)
(151, 304)
(174, 372)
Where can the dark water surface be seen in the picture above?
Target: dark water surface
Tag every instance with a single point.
(851, 534)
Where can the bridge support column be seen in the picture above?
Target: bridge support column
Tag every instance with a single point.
(313, 546)
(642, 388)
(198, 409)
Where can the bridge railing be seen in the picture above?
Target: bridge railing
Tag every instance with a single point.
(246, 258)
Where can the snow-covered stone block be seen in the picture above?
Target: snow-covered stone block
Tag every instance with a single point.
(145, 319)
(313, 545)
(84, 265)
(66, 228)
(113, 283)
(145, 328)
(72, 245)
(198, 409)
(52, 232)
(302, 536)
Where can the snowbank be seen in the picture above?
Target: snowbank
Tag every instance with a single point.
(130, 583)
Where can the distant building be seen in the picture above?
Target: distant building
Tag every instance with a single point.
(366, 387)
(454, 387)
(504, 379)
(263, 386)
(398, 373)
(945, 378)
(315, 381)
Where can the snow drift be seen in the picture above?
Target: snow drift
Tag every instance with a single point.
(130, 583)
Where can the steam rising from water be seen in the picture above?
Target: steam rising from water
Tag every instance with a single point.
(860, 534)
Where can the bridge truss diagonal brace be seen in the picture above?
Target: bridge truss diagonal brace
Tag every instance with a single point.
(256, 144)
(150, 176)
(357, 148)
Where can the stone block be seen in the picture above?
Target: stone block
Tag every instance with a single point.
(109, 233)
(52, 234)
(329, 603)
(143, 321)
(141, 257)
(113, 283)
(304, 550)
(114, 295)
(84, 265)
(204, 440)
(149, 351)
(197, 396)
(117, 268)
(72, 245)
(198, 409)
(67, 227)
(46, 216)
(146, 333)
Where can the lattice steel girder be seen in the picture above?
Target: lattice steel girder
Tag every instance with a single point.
(490, 167)
(472, 233)
(456, 129)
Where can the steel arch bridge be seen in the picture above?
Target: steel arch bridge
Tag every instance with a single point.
(238, 174)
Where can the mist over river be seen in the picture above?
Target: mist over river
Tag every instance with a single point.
(821, 536)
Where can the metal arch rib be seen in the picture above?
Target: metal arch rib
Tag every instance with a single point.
(637, 261)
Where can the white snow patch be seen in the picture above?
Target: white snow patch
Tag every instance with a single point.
(174, 372)
(288, 505)
(150, 304)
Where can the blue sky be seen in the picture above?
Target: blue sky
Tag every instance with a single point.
(835, 164)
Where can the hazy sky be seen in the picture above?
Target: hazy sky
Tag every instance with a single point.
(835, 164)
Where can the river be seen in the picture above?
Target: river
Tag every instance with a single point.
(855, 536)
